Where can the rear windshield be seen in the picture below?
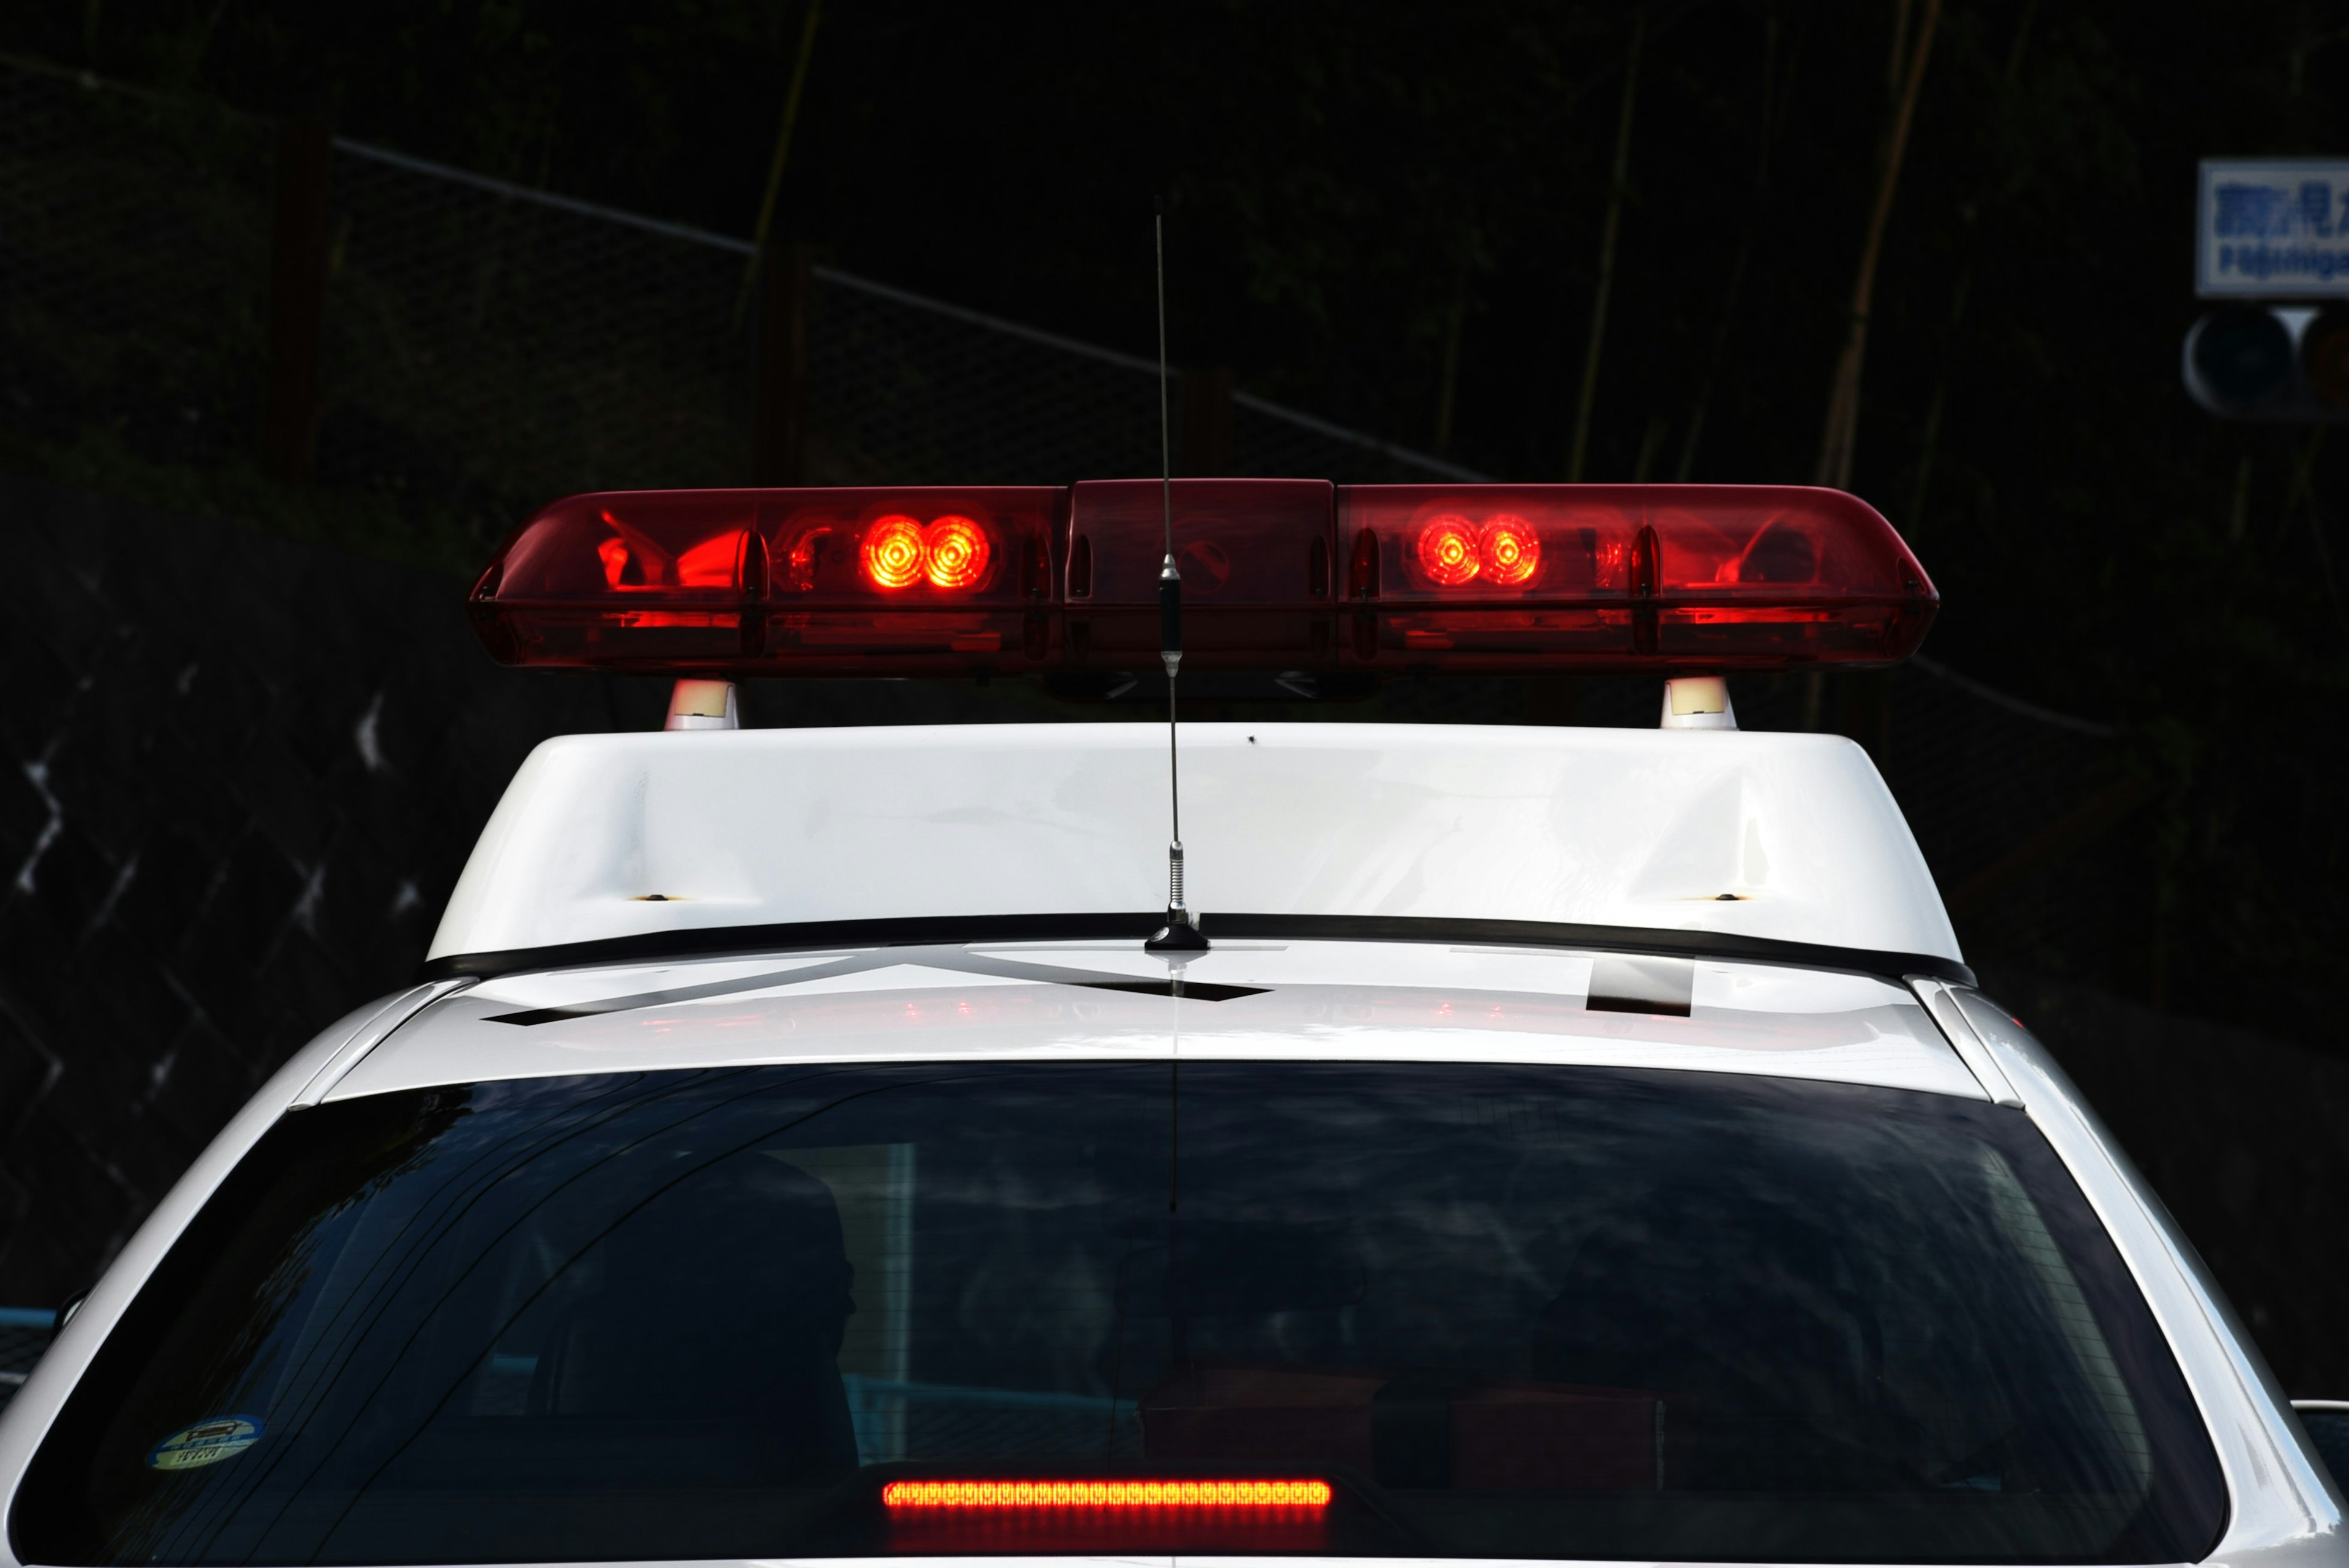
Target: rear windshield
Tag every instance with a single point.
(1489, 1311)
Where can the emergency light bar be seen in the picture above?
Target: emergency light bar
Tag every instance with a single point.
(1278, 573)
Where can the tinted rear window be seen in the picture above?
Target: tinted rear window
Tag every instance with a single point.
(1501, 1310)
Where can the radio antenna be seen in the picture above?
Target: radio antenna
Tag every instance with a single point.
(1179, 934)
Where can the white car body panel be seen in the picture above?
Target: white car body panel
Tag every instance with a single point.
(1601, 827)
(1428, 1003)
(1535, 825)
(2285, 1509)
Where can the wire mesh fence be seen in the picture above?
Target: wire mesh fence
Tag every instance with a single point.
(907, 388)
(133, 269)
(1270, 439)
(487, 347)
(2034, 822)
(24, 1333)
(900, 387)
(2023, 814)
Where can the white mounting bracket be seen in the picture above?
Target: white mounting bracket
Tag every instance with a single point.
(1698, 703)
(703, 705)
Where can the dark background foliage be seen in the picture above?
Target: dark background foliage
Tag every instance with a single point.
(1362, 192)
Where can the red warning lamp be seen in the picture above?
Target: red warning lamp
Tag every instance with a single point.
(1510, 549)
(1650, 578)
(846, 581)
(1446, 549)
(1452, 550)
(1278, 575)
(897, 552)
(894, 554)
(955, 552)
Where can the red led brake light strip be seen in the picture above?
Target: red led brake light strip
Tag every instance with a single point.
(1106, 1494)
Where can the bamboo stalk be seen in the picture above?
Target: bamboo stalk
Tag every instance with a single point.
(1614, 226)
(1774, 114)
(782, 153)
(1838, 439)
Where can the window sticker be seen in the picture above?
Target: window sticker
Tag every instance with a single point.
(206, 1443)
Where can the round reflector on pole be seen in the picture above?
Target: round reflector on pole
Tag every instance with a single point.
(2324, 357)
(2239, 361)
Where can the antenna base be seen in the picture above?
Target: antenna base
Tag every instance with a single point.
(1178, 935)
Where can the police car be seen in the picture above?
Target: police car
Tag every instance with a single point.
(1539, 1143)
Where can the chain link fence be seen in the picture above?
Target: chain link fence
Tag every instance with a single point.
(2030, 819)
(906, 388)
(134, 235)
(24, 1334)
(488, 346)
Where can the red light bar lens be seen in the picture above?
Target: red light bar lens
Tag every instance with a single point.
(1106, 1494)
(1453, 551)
(1494, 579)
(1278, 573)
(1254, 554)
(1447, 551)
(1510, 549)
(817, 582)
(955, 549)
(894, 552)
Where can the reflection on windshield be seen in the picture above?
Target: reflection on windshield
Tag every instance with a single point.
(1501, 1310)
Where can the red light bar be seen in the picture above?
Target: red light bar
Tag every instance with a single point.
(1278, 575)
(1255, 557)
(1106, 1493)
(1494, 579)
(801, 582)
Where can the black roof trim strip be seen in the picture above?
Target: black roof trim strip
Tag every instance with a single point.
(716, 941)
(1597, 939)
(713, 942)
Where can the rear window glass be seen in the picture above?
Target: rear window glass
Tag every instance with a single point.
(1493, 1310)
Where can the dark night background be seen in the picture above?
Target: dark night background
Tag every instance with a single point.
(1391, 216)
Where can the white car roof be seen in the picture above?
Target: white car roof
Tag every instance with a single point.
(611, 846)
(854, 894)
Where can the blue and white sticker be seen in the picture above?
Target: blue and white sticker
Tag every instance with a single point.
(206, 1443)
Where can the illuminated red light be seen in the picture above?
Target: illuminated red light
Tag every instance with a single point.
(712, 564)
(634, 562)
(1447, 551)
(1453, 551)
(1106, 1494)
(956, 552)
(614, 554)
(894, 552)
(898, 552)
(1510, 548)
